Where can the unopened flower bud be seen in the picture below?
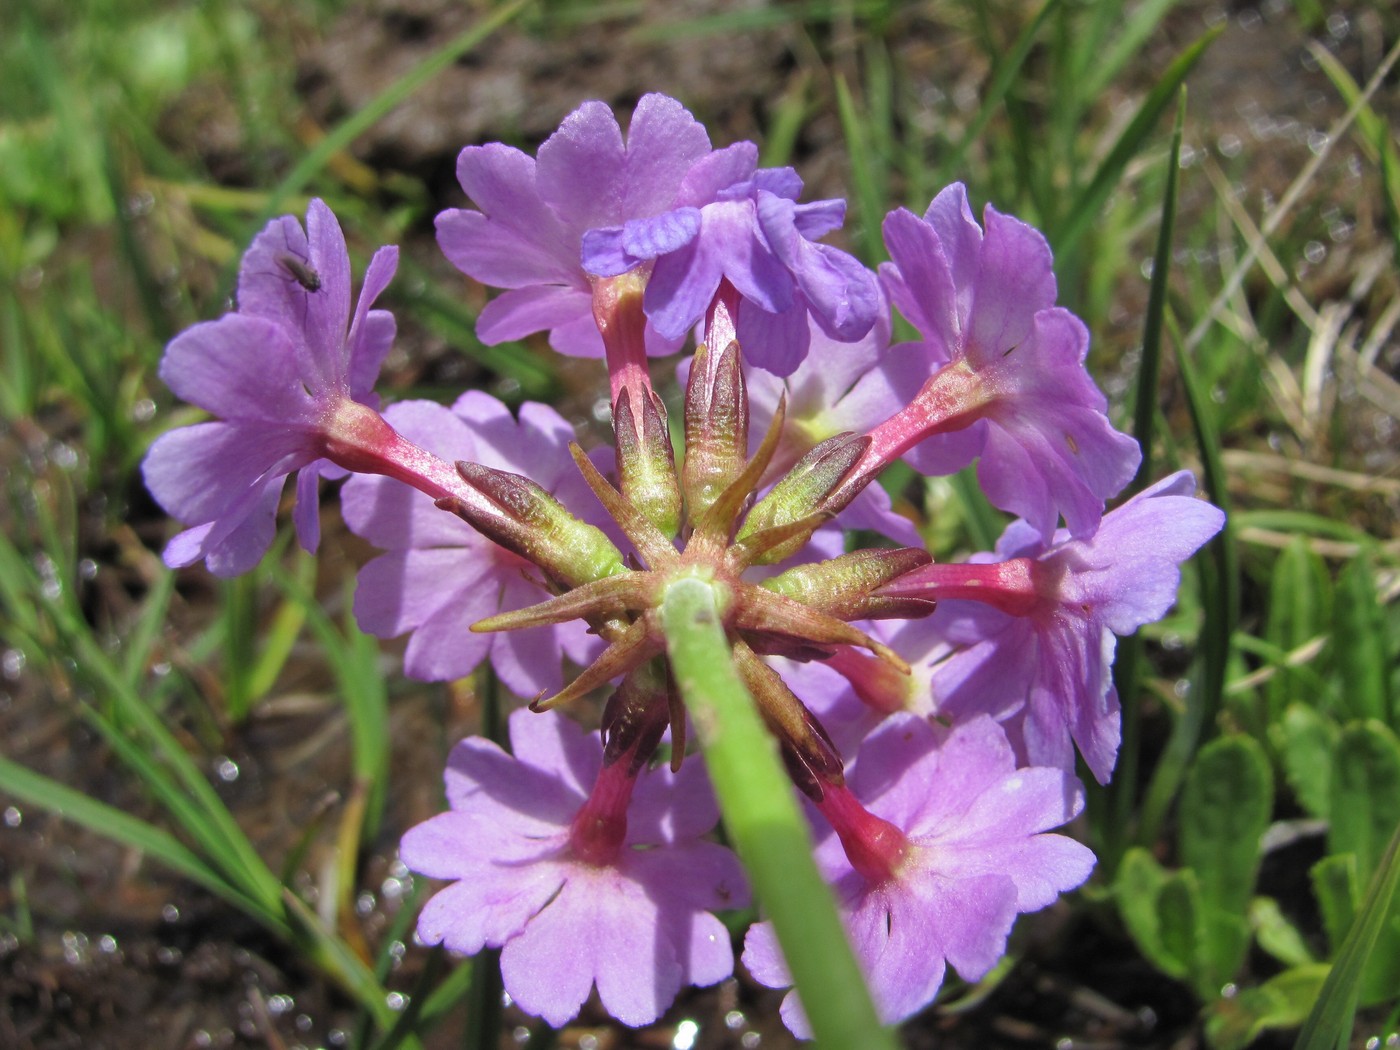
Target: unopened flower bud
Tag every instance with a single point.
(536, 526)
(803, 492)
(646, 464)
(845, 587)
(716, 417)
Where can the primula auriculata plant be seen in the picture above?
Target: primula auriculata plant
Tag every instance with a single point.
(929, 714)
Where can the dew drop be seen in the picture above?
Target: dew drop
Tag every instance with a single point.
(170, 913)
(734, 1020)
(392, 888)
(1229, 144)
(303, 1022)
(364, 904)
(520, 1035)
(12, 663)
(588, 1041)
(396, 1001)
(227, 769)
(140, 203)
(144, 410)
(749, 1040)
(107, 944)
(63, 455)
(684, 1039)
(280, 1004)
(13, 817)
(1314, 252)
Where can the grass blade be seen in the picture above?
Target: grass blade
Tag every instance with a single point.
(1330, 1023)
(1089, 204)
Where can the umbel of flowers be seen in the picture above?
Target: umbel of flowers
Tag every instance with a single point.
(928, 713)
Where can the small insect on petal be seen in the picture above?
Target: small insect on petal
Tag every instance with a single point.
(300, 272)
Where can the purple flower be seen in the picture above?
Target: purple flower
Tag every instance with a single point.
(527, 235)
(734, 221)
(851, 692)
(1039, 634)
(440, 575)
(838, 387)
(974, 855)
(985, 305)
(639, 927)
(283, 375)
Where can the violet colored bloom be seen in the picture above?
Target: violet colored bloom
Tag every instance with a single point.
(838, 387)
(282, 374)
(639, 928)
(975, 855)
(852, 692)
(733, 220)
(439, 575)
(985, 305)
(1039, 633)
(526, 238)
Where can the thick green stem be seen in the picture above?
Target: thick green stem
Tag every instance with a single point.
(765, 824)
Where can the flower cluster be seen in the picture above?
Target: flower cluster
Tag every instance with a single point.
(929, 713)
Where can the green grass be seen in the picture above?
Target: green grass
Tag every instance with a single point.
(1260, 372)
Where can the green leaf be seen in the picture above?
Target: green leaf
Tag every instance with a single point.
(1122, 791)
(1225, 810)
(867, 173)
(121, 827)
(1365, 807)
(1306, 741)
(1003, 77)
(1283, 1001)
(1276, 935)
(1159, 909)
(1336, 888)
(1361, 649)
(1300, 606)
(1330, 1023)
(1088, 206)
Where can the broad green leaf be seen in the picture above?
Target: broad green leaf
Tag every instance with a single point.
(1225, 809)
(1161, 921)
(1335, 887)
(1365, 807)
(1300, 607)
(1276, 935)
(1306, 741)
(1361, 649)
(1283, 1001)
(1330, 1023)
